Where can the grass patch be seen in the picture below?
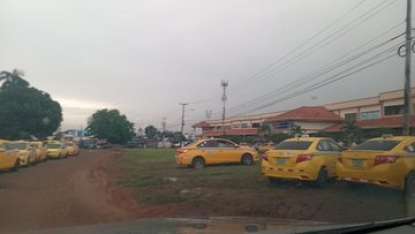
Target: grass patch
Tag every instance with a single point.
(155, 173)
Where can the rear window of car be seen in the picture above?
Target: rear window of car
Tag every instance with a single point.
(377, 145)
(293, 145)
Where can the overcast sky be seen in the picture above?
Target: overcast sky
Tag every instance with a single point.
(145, 56)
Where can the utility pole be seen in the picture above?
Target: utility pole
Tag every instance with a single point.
(163, 124)
(407, 94)
(224, 85)
(183, 123)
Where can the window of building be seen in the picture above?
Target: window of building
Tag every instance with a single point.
(244, 125)
(282, 125)
(350, 116)
(256, 125)
(369, 115)
(393, 110)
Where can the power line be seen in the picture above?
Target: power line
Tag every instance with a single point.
(337, 63)
(328, 39)
(302, 44)
(328, 81)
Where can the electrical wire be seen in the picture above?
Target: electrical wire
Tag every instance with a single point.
(337, 63)
(337, 77)
(327, 40)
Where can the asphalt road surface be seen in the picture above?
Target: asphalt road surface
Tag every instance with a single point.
(58, 193)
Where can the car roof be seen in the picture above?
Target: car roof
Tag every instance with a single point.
(307, 138)
(393, 138)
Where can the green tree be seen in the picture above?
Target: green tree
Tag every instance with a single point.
(264, 131)
(26, 111)
(111, 125)
(151, 132)
(296, 130)
(352, 132)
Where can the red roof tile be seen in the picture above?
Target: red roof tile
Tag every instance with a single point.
(307, 113)
(202, 124)
(232, 132)
(387, 122)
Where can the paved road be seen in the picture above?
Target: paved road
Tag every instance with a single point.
(58, 193)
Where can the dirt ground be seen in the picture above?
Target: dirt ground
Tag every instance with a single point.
(87, 190)
(59, 193)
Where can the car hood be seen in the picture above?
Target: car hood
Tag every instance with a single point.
(226, 225)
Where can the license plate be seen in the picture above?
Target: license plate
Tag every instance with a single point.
(281, 161)
(357, 163)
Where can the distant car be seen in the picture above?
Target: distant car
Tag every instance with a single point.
(262, 148)
(88, 144)
(9, 160)
(41, 151)
(302, 158)
(56, 149)
(26, 153)
(214, 151)
(73, 148)
(386, 161)
(135, 144)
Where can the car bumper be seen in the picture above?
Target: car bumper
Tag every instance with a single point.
(378, 176)
(182, 162)
(54, 154)
(288, 173)
(7, 163)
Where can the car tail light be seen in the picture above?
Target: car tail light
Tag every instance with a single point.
(304, 157)
(264, 157)
(181, 151)
(381, 159)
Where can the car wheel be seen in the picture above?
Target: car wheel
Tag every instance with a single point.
(410, 185)
(16, 165)
(323, 178)
(247, 160)
(198, 163)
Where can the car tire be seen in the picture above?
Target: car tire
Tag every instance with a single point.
(198, 163)
(16, 165)
(247, 160)
(322, 178)
(410, 185)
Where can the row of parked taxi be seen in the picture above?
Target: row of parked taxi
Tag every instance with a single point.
(15, 154)
(387, 161)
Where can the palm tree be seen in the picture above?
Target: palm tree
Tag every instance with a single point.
(13, 78)
(296, 130)
(352, 132)
(264, 131)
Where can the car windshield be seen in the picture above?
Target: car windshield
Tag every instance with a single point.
(146, 110)
(16, 146)
(377, 145)
(293, 145)
(53, 146)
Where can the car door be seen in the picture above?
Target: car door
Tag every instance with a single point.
(209, 150)
(408, 161)
(329, 151)
(228, 152)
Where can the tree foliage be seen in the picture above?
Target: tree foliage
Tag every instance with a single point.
(352, 132)
(111, 125)
(151, 132)
(26, 111)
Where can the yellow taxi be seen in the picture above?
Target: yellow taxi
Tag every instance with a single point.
(387, 161)
(9, 160)
(302, 158)
(41, 151)
(73, 149)
(215, 151)
(56, 149)
(26, 153)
